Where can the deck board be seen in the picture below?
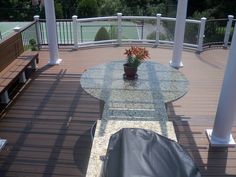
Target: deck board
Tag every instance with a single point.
(48, 123)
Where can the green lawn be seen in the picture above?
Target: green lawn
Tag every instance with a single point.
(90, 29)
(87, 33)
(6, 28)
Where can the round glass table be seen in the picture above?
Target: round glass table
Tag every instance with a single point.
(141, 99)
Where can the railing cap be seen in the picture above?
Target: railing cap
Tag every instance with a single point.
(158, 15)
(74, 17)
(36, 17)
(230, 16)
(17, 29)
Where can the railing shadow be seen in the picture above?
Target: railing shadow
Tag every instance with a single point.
(217, 161)
(49, 90)
(210, 63)
(82, 158)
(217, 158)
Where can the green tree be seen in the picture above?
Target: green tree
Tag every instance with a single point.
(113, 31)
(23, 10)
(110, 7)
(152, 36)
(217, 8)
(194, 5)
(16, 10)
(69, 8)
(144, 7)
(87, 8)
(153, 10)
(102, 34)
(58, 9)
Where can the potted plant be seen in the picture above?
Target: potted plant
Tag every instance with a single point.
(33, 44)
(135, 56)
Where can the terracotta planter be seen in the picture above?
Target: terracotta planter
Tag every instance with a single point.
(130, 72)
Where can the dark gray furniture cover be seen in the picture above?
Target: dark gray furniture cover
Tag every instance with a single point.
(143, 153)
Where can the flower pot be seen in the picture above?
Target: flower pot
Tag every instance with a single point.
(130, 72)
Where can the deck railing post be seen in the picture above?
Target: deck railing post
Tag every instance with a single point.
(37, 28)
(226, 114)
(201, 34)
(75, 31)
(228, 29)
(158, 29)
(119, 30)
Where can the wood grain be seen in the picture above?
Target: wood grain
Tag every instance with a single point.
(48, 123)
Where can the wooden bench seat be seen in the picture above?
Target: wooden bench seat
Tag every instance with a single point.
(14, 65)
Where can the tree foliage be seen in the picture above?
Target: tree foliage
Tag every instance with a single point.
(110, 7)
(15, 10)
(102, 34)
(87, 8)
(23, 10)
(69, 8)
(212, 8)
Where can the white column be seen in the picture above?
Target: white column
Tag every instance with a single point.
(52, 34)
(226, 112)
(228, 29)
(179, 34)
(201, 34)
(158, 29)
(75, 31)
(119, 30)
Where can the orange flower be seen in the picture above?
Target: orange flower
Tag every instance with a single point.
(136, 55)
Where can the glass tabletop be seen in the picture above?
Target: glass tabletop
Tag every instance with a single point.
(145, 96)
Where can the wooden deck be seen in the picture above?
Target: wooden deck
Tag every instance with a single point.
(48, 123)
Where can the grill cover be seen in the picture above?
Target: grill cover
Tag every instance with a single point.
(143, 153)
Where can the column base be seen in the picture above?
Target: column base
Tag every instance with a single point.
(76, 46)
(215, 143)
(4, 98)
(3, 142)
(56, 62)
(22, 78)
(175, 65)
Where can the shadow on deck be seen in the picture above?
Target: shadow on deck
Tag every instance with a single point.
(48, 124)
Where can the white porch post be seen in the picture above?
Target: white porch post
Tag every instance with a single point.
(158, 29)
(37, 27)
(119, 30)
(52, 34)
(226, 112)
(228, 29)
(179, 34)
(75, 31)
(201, 34)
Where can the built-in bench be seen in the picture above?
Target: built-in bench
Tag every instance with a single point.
(13, 63)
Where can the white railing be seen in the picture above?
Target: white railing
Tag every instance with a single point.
(161, 27)
(152, 30)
